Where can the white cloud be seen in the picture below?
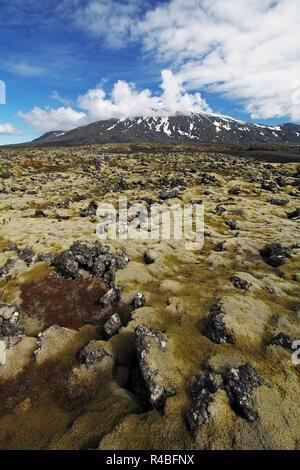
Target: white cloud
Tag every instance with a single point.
(56, 97)
(23, 69)
(248, 50)
(124, 101)
(9, 129)
(45, 120)
(109, 19)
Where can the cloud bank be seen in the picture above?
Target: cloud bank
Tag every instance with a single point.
(9, 129)
(244, 50)
(123, 101)
(248, 50)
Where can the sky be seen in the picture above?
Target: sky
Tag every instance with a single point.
(67, 63)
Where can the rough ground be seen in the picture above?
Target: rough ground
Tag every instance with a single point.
(195, 350)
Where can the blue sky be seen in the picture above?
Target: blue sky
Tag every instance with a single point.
(66, 63)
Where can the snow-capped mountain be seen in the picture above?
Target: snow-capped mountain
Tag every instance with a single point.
(196, 128)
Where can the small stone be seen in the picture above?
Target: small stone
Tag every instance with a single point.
(139, 300)
(26, 255)
(91, 354)
(40, 213)
(171, 194)
(12, 247)
(240, 284)
(47, 258)
(232, 224)
(295, 214)
(112, 326)
(91, 210)
(68, 265)
(6, 175)
(150, 256)
(283, 340)
(4, 270)
(112, 295)
(202, 389)
(278, 202)
(235, 191)
(275, 254)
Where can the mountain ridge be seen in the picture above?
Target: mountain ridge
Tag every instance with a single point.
(195, 128)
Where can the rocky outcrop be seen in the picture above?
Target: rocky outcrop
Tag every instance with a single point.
(239, 384)
(215, 327)
(148, 342)
(94, 258)
(275, 254)
(202, 389)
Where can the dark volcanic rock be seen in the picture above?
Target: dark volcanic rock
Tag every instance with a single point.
(275, 254)
(26, 255)
(12, 247)
(235, 191)
(232, 224)
(215, 328)
(91, 354)
(91, 210)
(113, 325)
(95, 259)
(269, 186)
(168, 194)
(239, 385)
(40, 213)
(202, 389)
(139, 300)
(150, 256)
(220, 210)
(112, 295)
(239, 283)
(295, 214)
(122, 259)
(4, 270)
(6, 175)
(47, 258)
(9, 325)
(65, 204)
(283, 340)
(68, 265)
(278, 201)
(157, 393)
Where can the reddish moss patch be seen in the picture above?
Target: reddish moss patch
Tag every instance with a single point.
(39, 382)
(65, 302)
